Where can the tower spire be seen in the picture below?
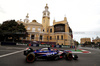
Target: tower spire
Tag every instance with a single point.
(46, 6)
(26, 20)
(46, 18)
(46, 13)
(27, 16)
(65, 18)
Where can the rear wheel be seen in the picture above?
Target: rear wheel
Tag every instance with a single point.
(68, 56)
(30, 57)
(75, 57)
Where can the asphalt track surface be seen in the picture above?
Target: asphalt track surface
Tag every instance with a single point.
(13, 56)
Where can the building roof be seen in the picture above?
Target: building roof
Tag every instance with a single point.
(34, 22)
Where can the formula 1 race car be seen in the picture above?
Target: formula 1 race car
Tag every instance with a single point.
(48, 54)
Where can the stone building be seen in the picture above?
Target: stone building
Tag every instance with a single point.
(59, 33)
(96, 40)
(83, 40)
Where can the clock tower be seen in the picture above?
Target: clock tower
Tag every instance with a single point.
(46, 19)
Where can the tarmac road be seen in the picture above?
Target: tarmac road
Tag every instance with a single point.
(13, 56)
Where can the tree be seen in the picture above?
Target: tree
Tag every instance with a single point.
(76, 43)
(12, 29)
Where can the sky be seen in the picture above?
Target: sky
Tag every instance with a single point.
(83, 16)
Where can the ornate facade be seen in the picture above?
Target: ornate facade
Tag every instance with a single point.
(59, 33)
(83, 40)
(96, 40)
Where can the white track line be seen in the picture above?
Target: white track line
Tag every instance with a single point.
(81, 52)
(10, 53)
(76, 52)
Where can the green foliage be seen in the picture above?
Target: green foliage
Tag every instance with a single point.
(76, 42)
(89, 43)
(12, 29)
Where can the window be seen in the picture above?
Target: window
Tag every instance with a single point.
(33, 29)
(24, 37)
(48, 14)
(62, 37)
(28, 28)
(50, 30)
(39, 29)
(57, 37)
(62, 29)
(44, 21)
(44, 13)
(47, 30)
(59, 28)
(47, 37)
(48, 20)
(43, 30)
(40, 37)
(32, 37)
(50, 37)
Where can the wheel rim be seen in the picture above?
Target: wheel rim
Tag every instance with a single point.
(30, 58)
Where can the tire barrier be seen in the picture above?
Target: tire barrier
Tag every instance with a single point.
(65, 46)
(58, 46)
(37, 45)
(22, 44)
(44, 45)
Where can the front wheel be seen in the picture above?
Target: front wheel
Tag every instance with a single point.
(30, 58)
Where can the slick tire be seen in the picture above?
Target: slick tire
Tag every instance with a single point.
(30, 57)
(75, 57)
(68, 56)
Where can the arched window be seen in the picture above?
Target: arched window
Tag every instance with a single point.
(28, 28)
(40, 37)
(57, 37)
(24, 37)
(50, 30)
(47, 37)
(43, 30)
(39, 29)
(61, 37)
(44, 13)
(48, 14)
(33, 29)
(32, 37)
(44, 21)
(47, 30)
(50, 37)
(62, 44)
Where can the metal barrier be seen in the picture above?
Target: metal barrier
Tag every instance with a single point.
(46, 45)
(65, 46)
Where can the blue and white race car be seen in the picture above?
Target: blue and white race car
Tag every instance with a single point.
(48, 54)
